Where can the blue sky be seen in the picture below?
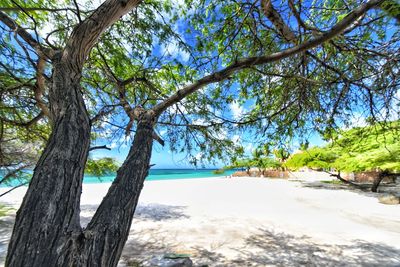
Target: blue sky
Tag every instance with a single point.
(163, 158)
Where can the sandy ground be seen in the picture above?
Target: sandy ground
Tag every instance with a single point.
(251, 222)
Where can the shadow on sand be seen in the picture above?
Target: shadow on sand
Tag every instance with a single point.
(152, 212)
(365, 190)
(269, 248)
(262, 248)
(158, 212)
(6, 225)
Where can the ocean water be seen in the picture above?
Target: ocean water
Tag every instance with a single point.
(154, 175)
(164, 174)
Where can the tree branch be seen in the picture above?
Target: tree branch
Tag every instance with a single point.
(24, 123)
(12, 189)
(259, 60)
(78, 12)
(106, 110)
(392, 8)
(298, 17)
(27, 37)
(86, 34)
(45, 9)
(39, 87)
(276, 19)
(99, 147)
(339, 177)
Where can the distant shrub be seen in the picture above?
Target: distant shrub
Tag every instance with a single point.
(4, 210)
(219, 171)
(101, 167)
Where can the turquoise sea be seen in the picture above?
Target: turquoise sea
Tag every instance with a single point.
(154, 175)
(164, 174)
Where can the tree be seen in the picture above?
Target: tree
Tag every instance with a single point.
(101, 167)
(241, 164)
(47, 230)
(281, 154)
(315, 158)
(369, 148)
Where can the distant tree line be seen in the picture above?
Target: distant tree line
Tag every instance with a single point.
(361, 149)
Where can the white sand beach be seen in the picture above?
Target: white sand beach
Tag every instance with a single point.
(251, 222)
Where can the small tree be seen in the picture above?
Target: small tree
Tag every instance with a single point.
(357, 150)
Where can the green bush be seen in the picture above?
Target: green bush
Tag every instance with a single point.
(219, 171)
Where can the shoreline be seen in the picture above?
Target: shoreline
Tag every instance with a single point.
(4, 188)
(252, 222)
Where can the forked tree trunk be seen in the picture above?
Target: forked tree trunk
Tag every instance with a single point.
(106, 234)
(56, 238)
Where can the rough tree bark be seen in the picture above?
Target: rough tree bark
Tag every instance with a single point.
(376, 183)
(49, 213)
(106, 234)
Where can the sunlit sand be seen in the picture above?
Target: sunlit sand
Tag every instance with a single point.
(252, 222)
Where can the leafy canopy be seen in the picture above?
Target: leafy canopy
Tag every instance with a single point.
(160, 47)
(359, 149)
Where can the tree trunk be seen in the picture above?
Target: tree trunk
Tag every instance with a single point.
(49, 213)
(377, 181)
(106, 234)
(47, 230)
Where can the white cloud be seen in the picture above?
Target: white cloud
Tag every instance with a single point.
(237, 110)
(236, 139)
(49, 27)
(264, 122)
(394, 110)
(216, 120)
(356, 121)
(200, 121)
(199, 156)
(222, 134)
(275, 79)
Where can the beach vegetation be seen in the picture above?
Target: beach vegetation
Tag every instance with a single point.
(369, 148)
(219, 171)
(262, 159)
(3, 210)
(314, 158)
(244, 164)
(101, 167)
(258, 160)
(193, 76)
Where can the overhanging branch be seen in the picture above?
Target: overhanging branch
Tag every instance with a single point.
(86, 34)
(27, 37)
(99, 147)
(259, 60)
